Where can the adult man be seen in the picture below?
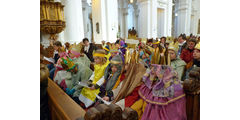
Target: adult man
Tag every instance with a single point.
(181, 43)
(89, 48)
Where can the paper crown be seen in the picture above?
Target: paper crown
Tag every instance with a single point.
(155, 42)
(173, 47)
(197, 46)
(99, 53)
(67, 63)
(116, 60)
(113, 48)
(76, 47)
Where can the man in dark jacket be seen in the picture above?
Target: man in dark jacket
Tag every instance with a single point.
(181, 43)
(88, 49)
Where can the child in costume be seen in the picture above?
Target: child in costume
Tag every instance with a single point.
(130, 80)
(52, 67)
(177, 64)
(88, 95)
(144, 53)
(84, 70)
(120, 45)
(162, 95)
(112, 76)
(107, 52)
(72, 73)
(195, 62)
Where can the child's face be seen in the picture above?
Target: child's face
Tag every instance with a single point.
(191, 45)
(196, 54)
(97, 60)
(55, 47)
(172, 54)
(114, 68)
(117, 45)
(163, 41)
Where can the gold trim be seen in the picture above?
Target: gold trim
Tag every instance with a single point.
(98, 55)
(158, 103)
(106, 49)
(115, 62)
(156, 43)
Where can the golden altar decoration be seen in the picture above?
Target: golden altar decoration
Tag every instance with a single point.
(51, 18)
(132, 34)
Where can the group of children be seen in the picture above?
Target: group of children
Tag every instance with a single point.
(146, 78)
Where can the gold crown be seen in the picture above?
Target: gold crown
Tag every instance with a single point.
(155, 42)
(113, 48)
(173, 46)
(131, 56)
(76, 47)
(197, 46)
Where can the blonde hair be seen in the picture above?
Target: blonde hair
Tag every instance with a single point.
(103, 59)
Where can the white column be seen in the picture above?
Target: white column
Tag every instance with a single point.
(105, 13)
(195, 16)
(136, 14)
(86, 20)
(169, 18)
(147, 18)
(74, 31)
(183, 18)
(125, 22)
(164, 20)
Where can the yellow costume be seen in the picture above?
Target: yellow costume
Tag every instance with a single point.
(87, 95)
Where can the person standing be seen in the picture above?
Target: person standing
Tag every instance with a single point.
(181, 43)
(89, 48)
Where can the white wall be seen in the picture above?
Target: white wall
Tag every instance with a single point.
(105, 12)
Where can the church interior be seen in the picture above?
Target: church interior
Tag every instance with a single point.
(120, 59)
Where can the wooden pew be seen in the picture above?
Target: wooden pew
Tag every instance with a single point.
(192, 90)
(61, 106)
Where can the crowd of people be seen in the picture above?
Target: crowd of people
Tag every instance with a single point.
(147, 76)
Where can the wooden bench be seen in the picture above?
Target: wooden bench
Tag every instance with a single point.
(192, 90)
(61, 106)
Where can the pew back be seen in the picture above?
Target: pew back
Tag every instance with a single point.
(62, 107)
